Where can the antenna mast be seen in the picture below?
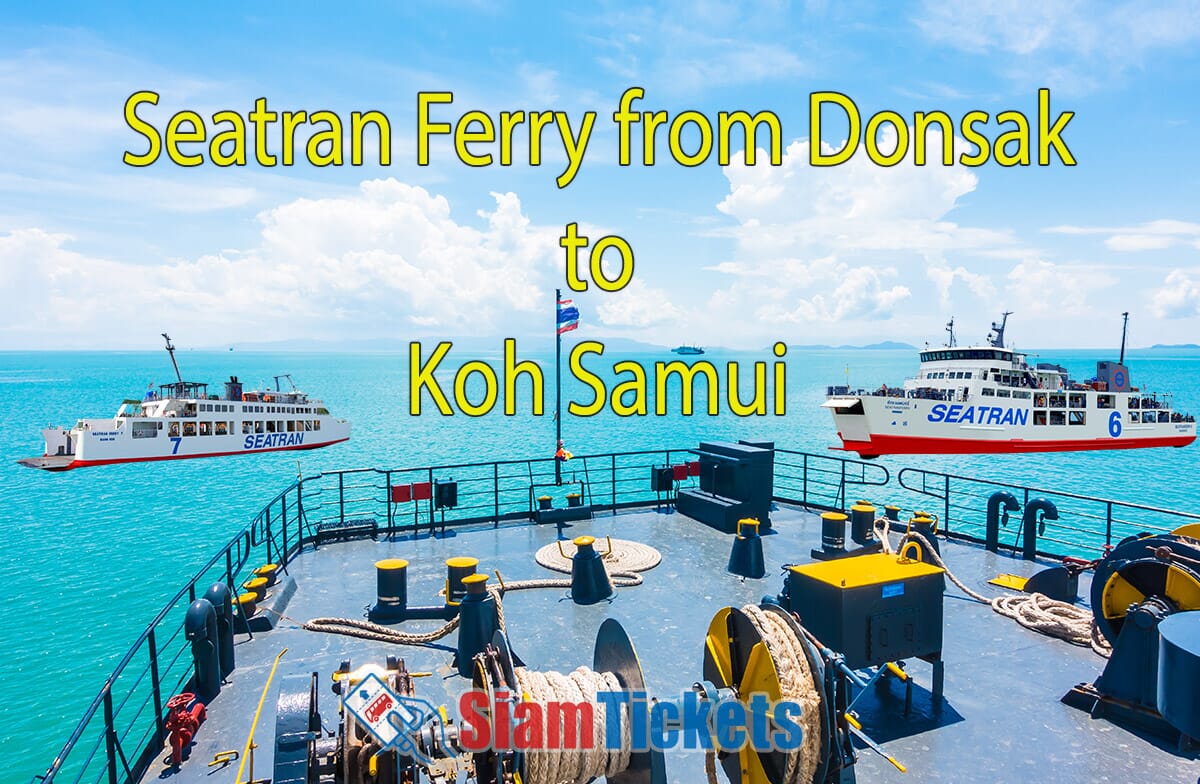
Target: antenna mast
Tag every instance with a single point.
(950, 329)
(171, 351)
(997, 336)
(1124, 330)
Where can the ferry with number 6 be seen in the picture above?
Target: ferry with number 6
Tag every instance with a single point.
(988, 399)
(182, 420)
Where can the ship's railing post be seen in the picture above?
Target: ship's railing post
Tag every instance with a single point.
(613, 477)
(495, 495)
(341, 497)
(945, 502)
(804, 479)
(842, 489)
(387, 498)
(432, 493)
(110, 735)
(1108, 524)
(160, 731)
(229, 570)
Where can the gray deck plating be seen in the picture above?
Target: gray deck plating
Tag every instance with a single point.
(1002, 719)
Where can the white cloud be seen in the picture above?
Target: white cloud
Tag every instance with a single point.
(1151, 235)
(1043, 287)
(1179, 296)
(1072, 44)
(388, 259)
(637, 305)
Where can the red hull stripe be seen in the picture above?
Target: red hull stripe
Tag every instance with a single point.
(84, 463)
(916, 445)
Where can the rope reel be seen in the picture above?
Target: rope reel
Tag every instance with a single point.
(763, 650)
(1163, 567)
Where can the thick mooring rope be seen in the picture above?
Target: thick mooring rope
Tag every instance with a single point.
(591, 759)
(1035, 611)
(626, 558)
(623, 563)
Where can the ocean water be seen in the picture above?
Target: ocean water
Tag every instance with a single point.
(89, 556)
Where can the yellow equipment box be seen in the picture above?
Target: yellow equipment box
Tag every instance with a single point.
(871, 608)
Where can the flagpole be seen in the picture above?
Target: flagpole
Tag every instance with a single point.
(557, 388)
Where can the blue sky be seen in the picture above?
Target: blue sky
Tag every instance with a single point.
(96, 254)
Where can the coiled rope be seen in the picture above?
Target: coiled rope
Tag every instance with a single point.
(1035, 611)
(591, 758)
(623, 563)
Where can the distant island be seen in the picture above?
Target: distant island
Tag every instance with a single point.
(887, 345)
(1175, 345)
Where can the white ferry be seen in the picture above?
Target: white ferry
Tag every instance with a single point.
(983, 399)
(182, 420)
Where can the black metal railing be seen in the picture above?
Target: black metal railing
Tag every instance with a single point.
(1086, 526)
(123, 728)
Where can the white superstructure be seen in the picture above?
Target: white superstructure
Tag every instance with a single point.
(990, 399)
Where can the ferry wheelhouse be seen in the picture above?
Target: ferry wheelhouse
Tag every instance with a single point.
(182, 419)
(990, 399)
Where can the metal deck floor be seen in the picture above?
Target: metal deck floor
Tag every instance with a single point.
(1002, 719)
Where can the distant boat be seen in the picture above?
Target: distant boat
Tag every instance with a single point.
(688, 350)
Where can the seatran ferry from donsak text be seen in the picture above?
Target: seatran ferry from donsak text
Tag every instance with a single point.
(983, 399)
(183, 420)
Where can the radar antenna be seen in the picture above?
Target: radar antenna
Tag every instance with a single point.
(996, 337)
(171, 351)
(950, 329)
(1124, 330)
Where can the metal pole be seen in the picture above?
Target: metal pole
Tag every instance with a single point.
(110, 736)
(557, 389)
(159, 727)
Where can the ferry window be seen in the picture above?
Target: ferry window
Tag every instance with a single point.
(1133, 417)
(291, 426)
(1078, 400)
(1003, 393)
(988, 392)
(316, 424)
(247, 427)
(322, 410)
(1164, 416)
(1039, 417)
(1078, 417)
(270, 425)
(967, 374)
(1058, 401)
(1039, 400)
(258, 426)
(308, 424)
(1104, 401)
(189, 428)
(145, 430)
(206, 428)
(1133, 402)
(173, 430)
(1058, 417)
(222, 429)
(1021, 394)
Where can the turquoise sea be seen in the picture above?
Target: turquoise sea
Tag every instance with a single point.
(89, 556)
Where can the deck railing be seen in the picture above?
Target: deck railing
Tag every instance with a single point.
(122, 731)
(1086, 526)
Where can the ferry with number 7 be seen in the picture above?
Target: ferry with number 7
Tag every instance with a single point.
(989, 399)
(181, 420)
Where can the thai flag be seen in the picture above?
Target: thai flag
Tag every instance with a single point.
(568, 316)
